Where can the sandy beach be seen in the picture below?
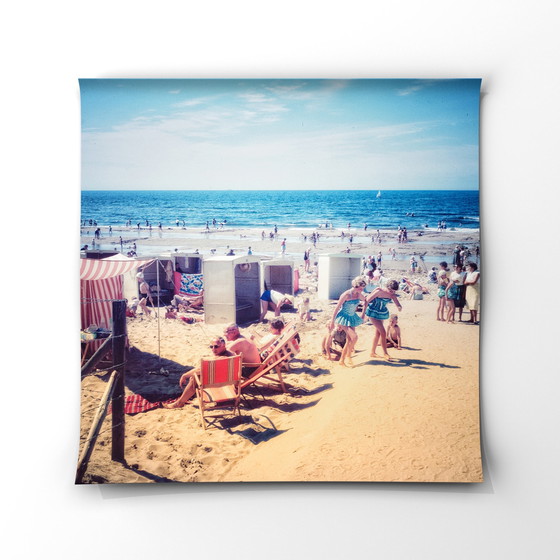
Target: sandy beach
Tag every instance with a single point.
(413, 419)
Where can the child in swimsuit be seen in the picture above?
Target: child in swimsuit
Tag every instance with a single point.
(442, 280)
(394, 333)
(377, 311)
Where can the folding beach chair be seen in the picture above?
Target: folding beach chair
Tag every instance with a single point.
(275, 358)
(217, 384)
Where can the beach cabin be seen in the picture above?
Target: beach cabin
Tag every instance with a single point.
(336, 272)
(278, 275)
(232, 289)
(97, 253)
(158, 274)
(187, 263)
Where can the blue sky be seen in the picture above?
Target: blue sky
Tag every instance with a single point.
(280, 134)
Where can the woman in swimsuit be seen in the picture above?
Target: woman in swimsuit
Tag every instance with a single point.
(377, 312)
(345, 315)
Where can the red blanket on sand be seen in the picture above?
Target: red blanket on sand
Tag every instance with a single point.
(133, 404)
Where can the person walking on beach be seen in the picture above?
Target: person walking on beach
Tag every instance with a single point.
(345, 315)
(376, 310)
(306, 260)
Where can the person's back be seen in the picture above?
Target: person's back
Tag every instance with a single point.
(248, 349)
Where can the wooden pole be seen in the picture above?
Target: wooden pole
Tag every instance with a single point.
(119, 343)
(94, 430)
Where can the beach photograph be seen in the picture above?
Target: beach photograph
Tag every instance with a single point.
(269, 116)
(280, 281)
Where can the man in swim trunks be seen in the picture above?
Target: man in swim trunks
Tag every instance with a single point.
(238, 344)
(273, 300)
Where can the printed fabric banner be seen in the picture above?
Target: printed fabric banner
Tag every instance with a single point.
(337, 224)
(188, 284)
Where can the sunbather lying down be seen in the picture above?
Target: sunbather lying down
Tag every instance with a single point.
(195, 302)
(171, 313)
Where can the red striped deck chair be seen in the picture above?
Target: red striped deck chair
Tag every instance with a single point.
(276, 358)
(218, 383)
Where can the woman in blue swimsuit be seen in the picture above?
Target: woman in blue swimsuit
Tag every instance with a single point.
(377, 312)
(345, 315)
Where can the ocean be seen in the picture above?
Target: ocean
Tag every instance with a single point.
(286, 209)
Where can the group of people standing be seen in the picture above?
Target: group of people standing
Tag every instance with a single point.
(457, 289)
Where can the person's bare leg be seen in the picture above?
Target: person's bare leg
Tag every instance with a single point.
(347, 348)
(352, 338)
(374, 354)
(451, 311)
(187, 394)
(382, 333)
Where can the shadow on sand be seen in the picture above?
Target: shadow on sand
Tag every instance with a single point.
(415, 364)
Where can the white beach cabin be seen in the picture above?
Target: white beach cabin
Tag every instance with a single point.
(336, 272)
(278, 275)
(232, 289)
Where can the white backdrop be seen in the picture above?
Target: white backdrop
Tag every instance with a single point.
(514, 48)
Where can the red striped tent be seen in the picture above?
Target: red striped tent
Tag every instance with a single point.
(101, 282)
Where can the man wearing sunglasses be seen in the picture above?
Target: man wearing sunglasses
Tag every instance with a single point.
(219, 350)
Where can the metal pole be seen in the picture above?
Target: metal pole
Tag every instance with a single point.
(158, 312)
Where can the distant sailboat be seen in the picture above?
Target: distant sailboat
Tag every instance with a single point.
(378, 194)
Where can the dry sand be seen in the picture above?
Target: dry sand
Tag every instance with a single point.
(414, 419)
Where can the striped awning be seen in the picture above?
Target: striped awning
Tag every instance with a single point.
(101, 269)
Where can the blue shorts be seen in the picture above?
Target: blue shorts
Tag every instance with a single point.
(266, 296)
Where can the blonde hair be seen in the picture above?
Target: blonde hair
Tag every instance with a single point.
(358, 281)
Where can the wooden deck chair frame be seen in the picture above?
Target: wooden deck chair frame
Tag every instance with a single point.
(218, 382)
(284, 349)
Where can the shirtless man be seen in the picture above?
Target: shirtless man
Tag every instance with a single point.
(219, 350)
(238, 344)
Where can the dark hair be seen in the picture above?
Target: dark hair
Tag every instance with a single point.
(472, 265)
(443, 263)
(277, 324)
(393, 284)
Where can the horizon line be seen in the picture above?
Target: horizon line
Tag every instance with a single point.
(278, 190)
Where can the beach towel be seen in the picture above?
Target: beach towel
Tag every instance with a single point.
(134, 404)
(188, 284)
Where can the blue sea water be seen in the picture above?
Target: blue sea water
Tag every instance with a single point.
(286, 209)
